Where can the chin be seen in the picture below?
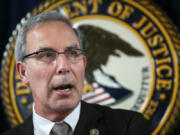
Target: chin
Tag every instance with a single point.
(66, 105)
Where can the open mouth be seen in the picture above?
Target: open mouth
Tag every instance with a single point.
(64, 88)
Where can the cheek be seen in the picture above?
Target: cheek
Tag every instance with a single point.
(45, 74)
(38, 74)
(79, 72)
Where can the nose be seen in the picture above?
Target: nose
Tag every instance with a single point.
(62, 64)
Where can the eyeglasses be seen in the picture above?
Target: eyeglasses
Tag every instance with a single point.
(73, 55)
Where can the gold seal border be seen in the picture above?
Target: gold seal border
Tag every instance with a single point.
(171, 33)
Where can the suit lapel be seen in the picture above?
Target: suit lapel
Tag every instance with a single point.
(90, 121)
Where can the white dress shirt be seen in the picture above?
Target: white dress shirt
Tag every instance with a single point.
(43, 126)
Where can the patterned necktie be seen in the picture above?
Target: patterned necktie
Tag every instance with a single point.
(61, 129)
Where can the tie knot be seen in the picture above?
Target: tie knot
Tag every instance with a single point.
(61, 129)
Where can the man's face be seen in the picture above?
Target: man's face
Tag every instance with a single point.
(56, 86)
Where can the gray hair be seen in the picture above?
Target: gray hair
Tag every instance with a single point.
(20, 45)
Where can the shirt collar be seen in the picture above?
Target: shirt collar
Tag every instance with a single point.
(43, 126)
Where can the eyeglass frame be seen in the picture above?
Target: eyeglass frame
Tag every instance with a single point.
(57, 53)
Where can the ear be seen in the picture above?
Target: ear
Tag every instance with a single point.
(21, 69)
(85, 61)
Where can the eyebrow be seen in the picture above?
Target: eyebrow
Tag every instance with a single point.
(74, 46)
(45, 49)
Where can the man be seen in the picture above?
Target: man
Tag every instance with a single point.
(50, 60)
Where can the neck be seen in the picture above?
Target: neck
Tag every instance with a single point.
(54, 116)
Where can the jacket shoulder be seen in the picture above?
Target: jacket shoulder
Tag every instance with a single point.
(124, 121)
(22, 129)
(120, 113)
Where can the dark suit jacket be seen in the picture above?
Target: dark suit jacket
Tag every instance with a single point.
(107, 121)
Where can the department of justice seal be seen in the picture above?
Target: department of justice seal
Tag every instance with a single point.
(133, 60)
